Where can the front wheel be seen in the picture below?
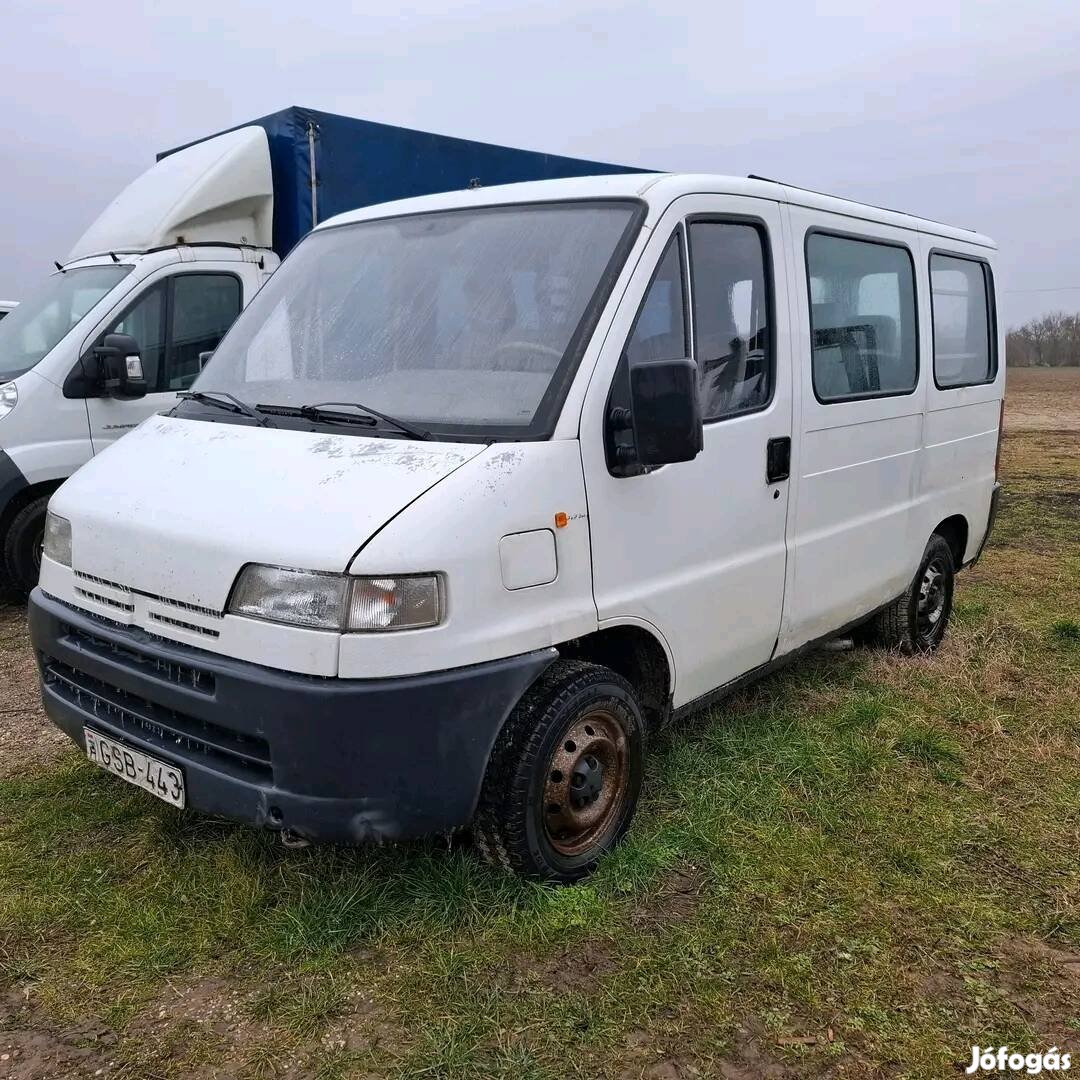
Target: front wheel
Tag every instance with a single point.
(23, 543)
(916, 622)
(563, 780)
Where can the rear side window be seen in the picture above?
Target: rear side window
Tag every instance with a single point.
(730, 303)
(863, 323)
(960, 295)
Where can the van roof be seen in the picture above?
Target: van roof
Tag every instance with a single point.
(659, 189)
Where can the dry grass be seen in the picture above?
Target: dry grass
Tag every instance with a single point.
(1043, 399)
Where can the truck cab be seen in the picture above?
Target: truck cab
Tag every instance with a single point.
(169, 265)
(484, 488)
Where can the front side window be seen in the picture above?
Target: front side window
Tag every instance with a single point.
(731, 317)
(176, 320)
(467, 321)
(959, 290)
(36, 326)
(864, 330)
(145, 322)
(204, 306)
(660, 330)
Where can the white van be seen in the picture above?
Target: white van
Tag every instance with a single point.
(485, 486)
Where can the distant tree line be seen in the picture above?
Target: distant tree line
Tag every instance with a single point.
(1052, 341)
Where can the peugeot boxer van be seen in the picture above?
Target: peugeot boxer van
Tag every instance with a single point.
(485, 487)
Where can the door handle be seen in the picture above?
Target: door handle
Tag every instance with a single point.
(778, 460)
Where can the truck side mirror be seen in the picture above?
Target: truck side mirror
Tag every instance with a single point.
(665, 412)
(121, 366)
(204, 358)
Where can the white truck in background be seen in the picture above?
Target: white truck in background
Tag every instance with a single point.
(170, 263)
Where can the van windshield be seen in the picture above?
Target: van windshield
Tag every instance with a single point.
(38, 324)
(467, 321)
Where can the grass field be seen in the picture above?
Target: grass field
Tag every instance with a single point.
(859, 868)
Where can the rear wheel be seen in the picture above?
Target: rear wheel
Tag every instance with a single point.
(563, 780)
(916, 622)
(23, 543)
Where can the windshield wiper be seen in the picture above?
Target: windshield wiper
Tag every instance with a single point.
(219, 399)
(323, 413)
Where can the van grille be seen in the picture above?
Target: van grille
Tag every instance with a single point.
(194, 628)
(240, 755)
(86, 594)
(169, 671)
(182, 605)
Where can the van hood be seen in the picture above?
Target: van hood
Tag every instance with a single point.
(177, 507)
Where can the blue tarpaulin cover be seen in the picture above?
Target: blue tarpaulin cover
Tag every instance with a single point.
(359, 162)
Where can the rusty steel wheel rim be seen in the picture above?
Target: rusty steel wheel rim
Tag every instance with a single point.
(586, 784)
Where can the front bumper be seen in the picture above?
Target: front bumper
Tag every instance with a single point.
(342, 760)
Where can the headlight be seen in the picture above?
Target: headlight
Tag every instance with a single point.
(337, 601)
(9, 398)
(57, 538)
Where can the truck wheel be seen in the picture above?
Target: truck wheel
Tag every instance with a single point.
(916, 622)
(564, 776)
(22, 545)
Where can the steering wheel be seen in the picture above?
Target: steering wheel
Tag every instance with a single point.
(534, 348)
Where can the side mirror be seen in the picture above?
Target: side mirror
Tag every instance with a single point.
(665, 412)
(121, 366)
(204, 358)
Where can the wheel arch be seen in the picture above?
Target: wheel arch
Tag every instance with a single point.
(954, 531)
(638, 653)
(23, 497)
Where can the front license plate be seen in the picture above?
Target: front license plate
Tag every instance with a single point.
(164, 781)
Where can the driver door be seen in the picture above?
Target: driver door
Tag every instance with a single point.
(174, 320)
(697, 549)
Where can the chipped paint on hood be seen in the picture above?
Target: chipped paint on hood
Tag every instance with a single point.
(177, 507)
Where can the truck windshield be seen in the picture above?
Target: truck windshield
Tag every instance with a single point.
(466, 321)
(37, 324)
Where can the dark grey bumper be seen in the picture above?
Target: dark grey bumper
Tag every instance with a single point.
(344, 760)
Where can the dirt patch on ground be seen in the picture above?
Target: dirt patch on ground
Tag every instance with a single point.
(1042, 399)
(1043, 981)
(678, 899)
(747, 1058)
(579, 969)
(31, 1048)
(26, 736)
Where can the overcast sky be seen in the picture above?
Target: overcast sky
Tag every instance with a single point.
(963, 110)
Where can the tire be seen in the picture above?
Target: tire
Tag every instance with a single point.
(22, 545)
(563, 780)
(916, 622)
